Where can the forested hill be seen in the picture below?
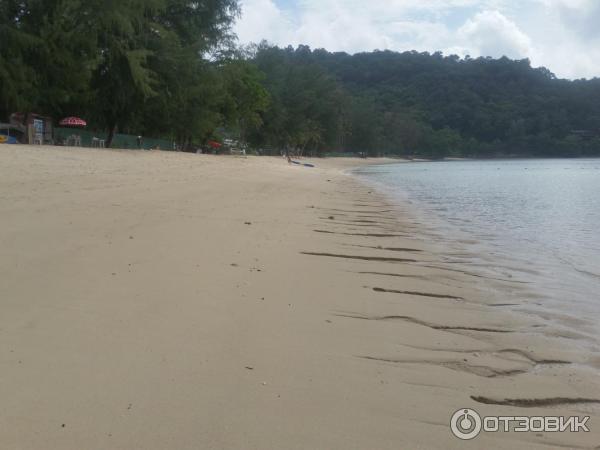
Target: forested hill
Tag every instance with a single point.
(425, 104)
(171, 69)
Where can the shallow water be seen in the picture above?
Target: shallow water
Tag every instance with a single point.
(534, 221)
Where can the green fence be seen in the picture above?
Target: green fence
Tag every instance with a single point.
(119, 141)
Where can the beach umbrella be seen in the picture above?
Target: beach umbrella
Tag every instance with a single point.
(72, 122)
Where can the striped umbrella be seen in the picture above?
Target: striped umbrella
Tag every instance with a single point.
(72, 122)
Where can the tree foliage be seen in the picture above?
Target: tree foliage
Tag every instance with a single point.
(169, 68)
(428, 105)
(306, 102)
(143, 66)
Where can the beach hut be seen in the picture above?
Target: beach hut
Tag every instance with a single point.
(37, 129)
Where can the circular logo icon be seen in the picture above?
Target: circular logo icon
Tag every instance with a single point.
(466, 424)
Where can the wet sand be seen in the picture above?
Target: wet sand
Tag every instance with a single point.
(160, 300)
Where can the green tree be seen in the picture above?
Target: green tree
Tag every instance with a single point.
(305, 111)
(245, 97)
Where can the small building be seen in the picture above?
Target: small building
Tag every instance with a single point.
(37, 129)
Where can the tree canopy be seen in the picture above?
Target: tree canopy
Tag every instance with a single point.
(171, 69)
(144, 66)
(427, 105)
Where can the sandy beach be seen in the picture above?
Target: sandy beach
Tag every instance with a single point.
(157, 300)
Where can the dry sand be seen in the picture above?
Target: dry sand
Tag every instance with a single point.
(153, 300)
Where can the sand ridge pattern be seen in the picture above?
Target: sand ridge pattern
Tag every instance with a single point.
(523, 362)
(358, 257)
(161, 300)
(535, 403)
(419, 294)
(424, 323)
(378, 235)
(509, 363)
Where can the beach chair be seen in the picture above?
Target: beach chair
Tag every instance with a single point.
(97, 142)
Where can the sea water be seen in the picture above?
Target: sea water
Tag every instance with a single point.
(536, 222)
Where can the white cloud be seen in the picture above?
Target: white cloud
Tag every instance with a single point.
(581, 17)
(340, 29)
(262, 19)
(568, 37)
(490, 33)
(559, 34)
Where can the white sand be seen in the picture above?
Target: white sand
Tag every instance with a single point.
(138, 310)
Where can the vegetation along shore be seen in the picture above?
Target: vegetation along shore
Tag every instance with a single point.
(169, 69)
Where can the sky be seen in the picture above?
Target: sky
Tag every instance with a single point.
(562, 35)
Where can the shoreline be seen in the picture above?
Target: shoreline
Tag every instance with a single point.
(188, 301)
(491, 254)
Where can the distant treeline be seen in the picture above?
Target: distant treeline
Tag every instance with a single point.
(421, 104)
(170, 69)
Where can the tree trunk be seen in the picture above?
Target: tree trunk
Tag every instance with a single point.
(111, 135)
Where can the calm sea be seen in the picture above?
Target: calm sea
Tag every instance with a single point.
(534, 221)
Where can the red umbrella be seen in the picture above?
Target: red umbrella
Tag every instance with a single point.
(72, 122)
